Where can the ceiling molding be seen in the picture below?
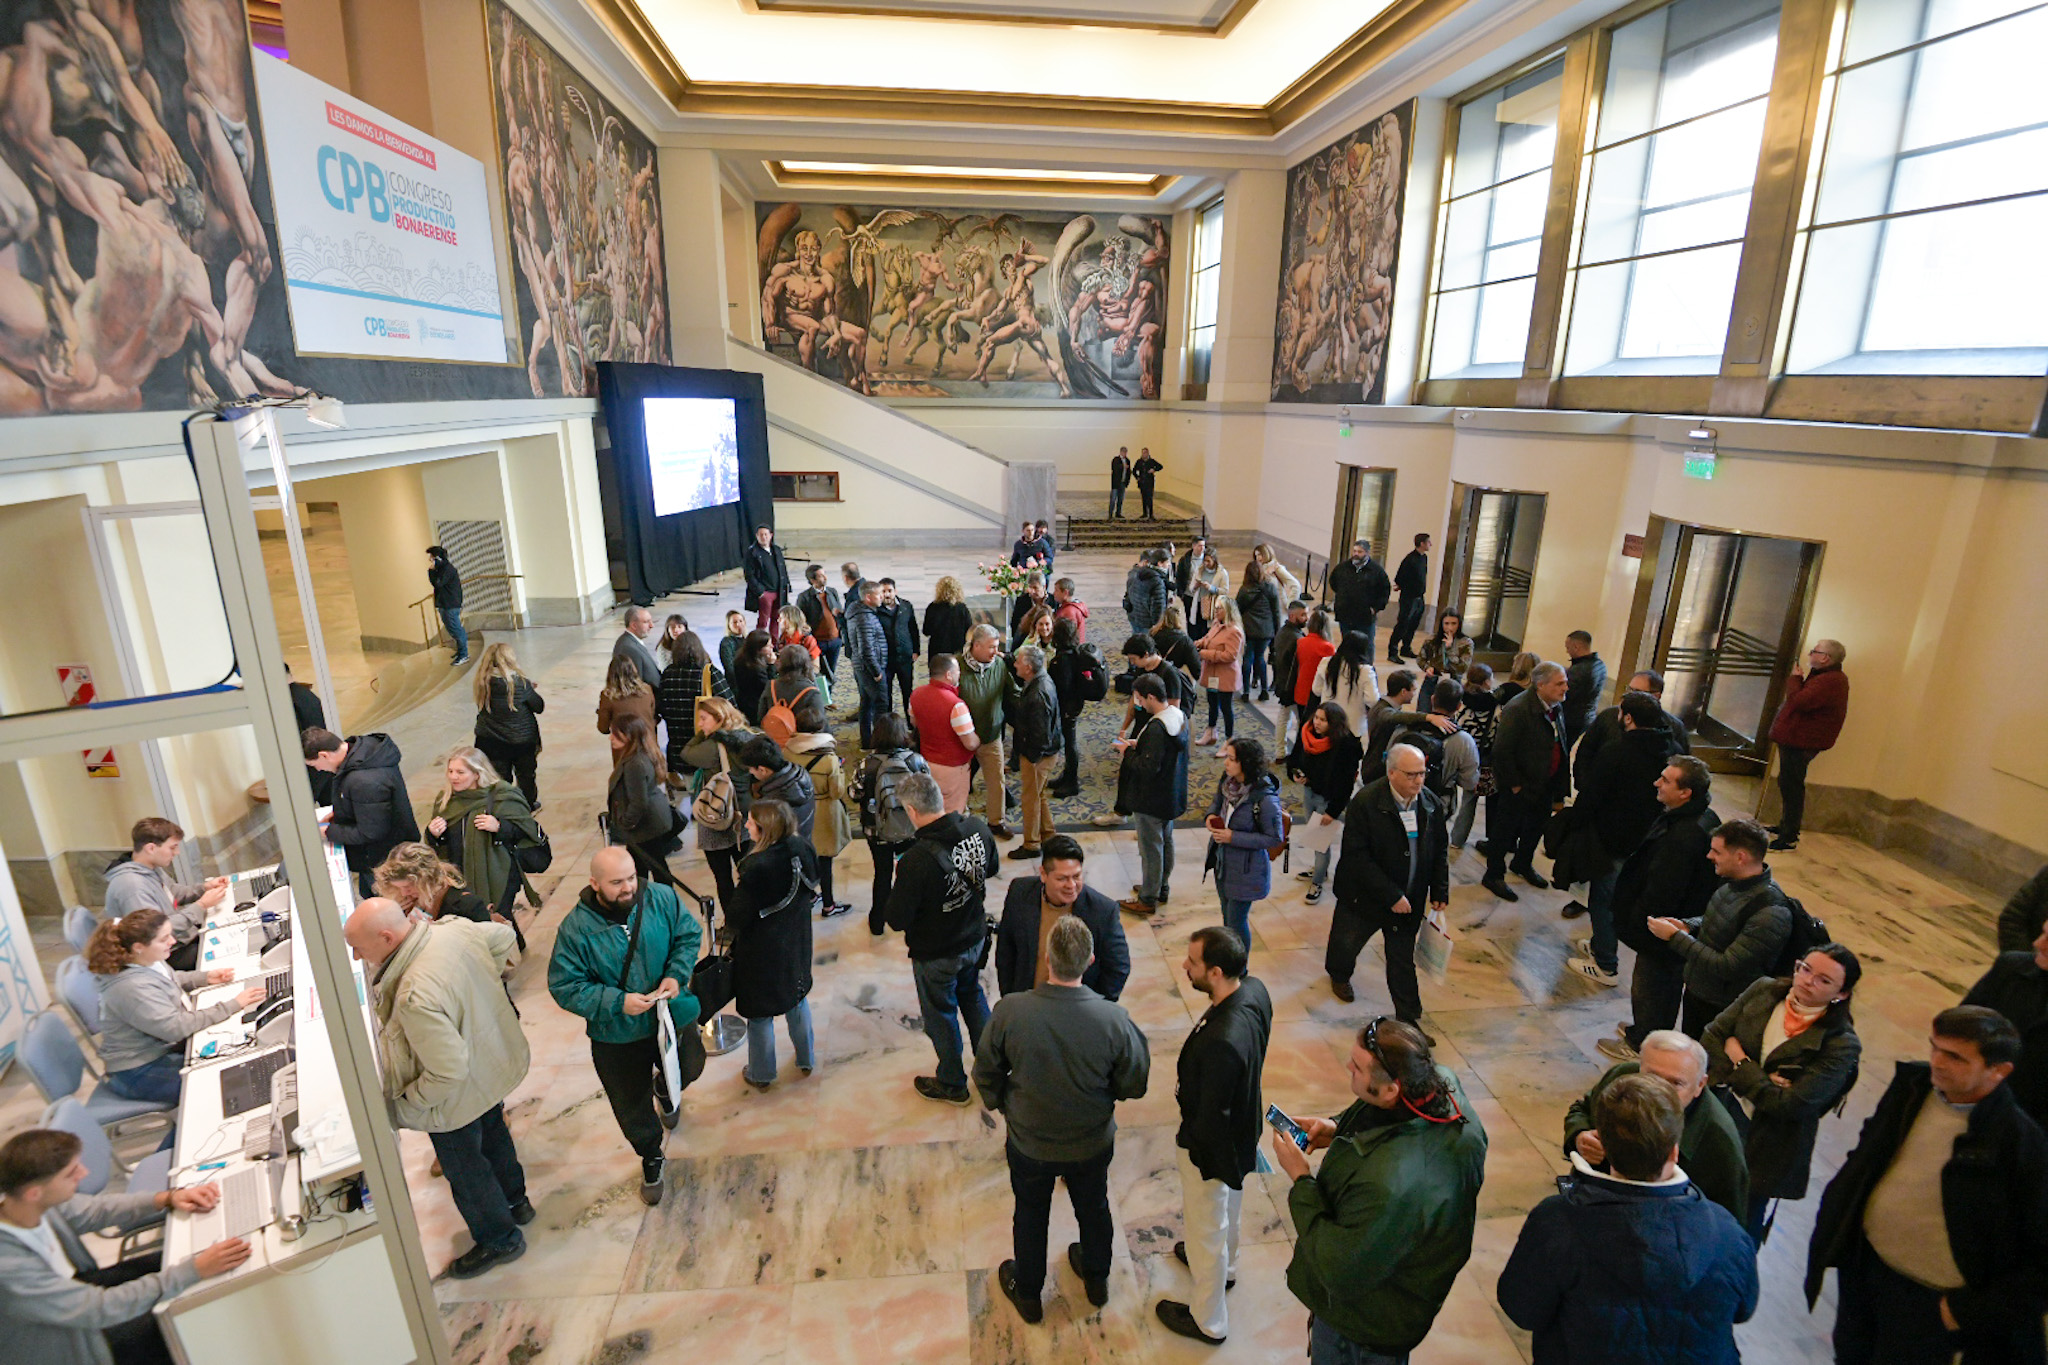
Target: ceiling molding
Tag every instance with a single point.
(1219, 29)
(944, 182)
(1401, 23)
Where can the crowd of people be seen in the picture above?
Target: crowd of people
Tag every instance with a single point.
(1741, 1040)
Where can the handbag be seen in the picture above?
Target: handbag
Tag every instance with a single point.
(711, 983)
(674, 1048)
(1433, 944)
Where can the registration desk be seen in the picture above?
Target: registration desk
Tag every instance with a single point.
(318, 1287)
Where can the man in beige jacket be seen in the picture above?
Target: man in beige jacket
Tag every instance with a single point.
(451, 1050)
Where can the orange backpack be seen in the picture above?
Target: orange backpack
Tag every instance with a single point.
(779, 724)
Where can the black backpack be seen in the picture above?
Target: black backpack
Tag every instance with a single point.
(1425, 738)
(1809, 931)
(1091, 674)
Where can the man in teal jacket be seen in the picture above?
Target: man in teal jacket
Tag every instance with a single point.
(1386, 1225)
(589, 975)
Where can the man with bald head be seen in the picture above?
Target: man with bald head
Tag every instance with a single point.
(627, 949)
(632, 644)
(450, 1050)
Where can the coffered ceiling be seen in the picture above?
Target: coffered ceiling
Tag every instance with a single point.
(1198, 15)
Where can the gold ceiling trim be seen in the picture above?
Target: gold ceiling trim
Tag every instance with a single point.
(1400, 23)
(1050, 183)
(1219, 29)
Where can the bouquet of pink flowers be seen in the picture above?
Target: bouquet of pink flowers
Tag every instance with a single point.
(1005, 578)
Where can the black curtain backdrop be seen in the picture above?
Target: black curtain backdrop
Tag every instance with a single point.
(667, 553)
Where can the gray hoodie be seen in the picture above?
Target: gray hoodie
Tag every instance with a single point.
(143, 1015)
(55, 1319)
(131, 887)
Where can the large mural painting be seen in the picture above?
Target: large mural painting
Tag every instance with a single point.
(137, 269)
(584, 209)
(933, 303)
(1343, 233)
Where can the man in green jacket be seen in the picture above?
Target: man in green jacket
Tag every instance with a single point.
(617, 918)
(984, 684)
(1386, 1224)
(1710, 1150)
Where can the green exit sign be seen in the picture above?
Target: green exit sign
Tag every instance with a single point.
(1344, 428)
(1699, 464)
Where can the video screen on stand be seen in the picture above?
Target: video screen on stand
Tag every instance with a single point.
(693, 453)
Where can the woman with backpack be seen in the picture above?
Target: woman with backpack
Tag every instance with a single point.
(817, 753)
(884, 822)
(1245, 826)
(1325, 760)
(682, 682)
(1079, 675)
(508, 708)
(477, 822)
(793, 703)
(771, 940)
(723, 789)
(753, 668)
(637, 810)
(1787, 1050)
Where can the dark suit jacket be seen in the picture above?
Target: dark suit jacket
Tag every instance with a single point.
(1372, 869)
(1522, 750)
(1017, 940)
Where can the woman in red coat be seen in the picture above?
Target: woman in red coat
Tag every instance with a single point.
(1809, 720)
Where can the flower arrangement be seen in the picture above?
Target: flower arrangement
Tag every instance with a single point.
(1005, 578)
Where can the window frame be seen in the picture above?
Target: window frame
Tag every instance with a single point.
(796, 477)
(1201, 359)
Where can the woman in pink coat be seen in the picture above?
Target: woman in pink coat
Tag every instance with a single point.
(1222, 651)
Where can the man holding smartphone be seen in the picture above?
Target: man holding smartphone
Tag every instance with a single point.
(1217, 1088)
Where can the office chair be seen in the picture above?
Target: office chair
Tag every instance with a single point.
(151, 1175)
(79, 923)
(57, 1065)
(79, 993)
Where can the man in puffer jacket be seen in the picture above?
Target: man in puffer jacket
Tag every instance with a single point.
(1634, 1267)
(372, 811)
(589, 976)
(1145, 589)
(867, 646)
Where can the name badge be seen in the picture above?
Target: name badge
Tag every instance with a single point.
(1408, 822)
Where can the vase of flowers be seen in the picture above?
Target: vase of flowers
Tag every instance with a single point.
(1004, 578)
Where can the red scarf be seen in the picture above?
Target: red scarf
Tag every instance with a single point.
(1311, 743)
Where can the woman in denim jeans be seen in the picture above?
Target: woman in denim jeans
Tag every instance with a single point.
(771, 940)
(1325, 760)
(1245, 826)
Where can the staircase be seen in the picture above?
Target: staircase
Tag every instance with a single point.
(1084, 524)
(411, 682)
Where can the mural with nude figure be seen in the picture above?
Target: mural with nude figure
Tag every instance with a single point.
(1343, 232)
(584, 208)
(936, 303)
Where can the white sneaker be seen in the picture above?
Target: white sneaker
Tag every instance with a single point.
(1591, 970)
(1582, 947)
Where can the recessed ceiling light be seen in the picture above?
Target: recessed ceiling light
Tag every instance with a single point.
(866, 168)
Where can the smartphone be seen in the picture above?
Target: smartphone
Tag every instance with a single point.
(1282, 1124)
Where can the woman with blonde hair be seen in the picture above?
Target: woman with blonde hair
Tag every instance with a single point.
(946, 620)
(637, 810)
(625, 693)
(508, 708)
(729, 645)
(792, 629)
(1519, 674)
(1222, 650)
(419, 879)
(1170, 638)
(1211, 583)
(1290, 586)
(477, 822)
(721, 732)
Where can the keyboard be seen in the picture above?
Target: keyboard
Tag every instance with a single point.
(274, 985)
(241, 1202)
(246, 1085)
(256, 1137)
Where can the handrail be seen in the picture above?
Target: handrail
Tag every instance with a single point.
(427, 626)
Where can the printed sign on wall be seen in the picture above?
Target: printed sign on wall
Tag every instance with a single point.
(102, 763)
(385, 232)
(76, 680)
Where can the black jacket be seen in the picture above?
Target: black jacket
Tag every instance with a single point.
(1331, 774)
(1065, 667)
(771, 928)
(1216, 1084)
(1153, 776)
(766, 571)
(1372, 868)
(1668, 874)
(1819, 1067)
(899, 628)
(1585, 684)
(1525, 745)
(513, 721)
(1994, 1195)
(1146, 470)
(1035, 711)
(307, 712)
(637, 809)
(1607, 727)
(2018, 989)
(1617, 796)
(1357, 591)
(1176, 648)
(1017, 940)
(1412, 578)
(1119, 471)
(2019, 924)
(945, 627)
(447, 582)
(372, 812)
(791, 785)
(1258, 606)
(939, 901)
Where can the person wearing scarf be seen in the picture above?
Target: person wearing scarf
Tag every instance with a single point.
(476, 824)
(1325, 760)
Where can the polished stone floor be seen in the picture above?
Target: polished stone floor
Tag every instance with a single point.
(839, 1217)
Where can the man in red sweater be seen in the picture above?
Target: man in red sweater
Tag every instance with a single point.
(945, 731)
(1809, 721)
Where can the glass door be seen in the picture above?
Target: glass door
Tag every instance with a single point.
(1491, 569)
(1722, 614)
(1365, 511)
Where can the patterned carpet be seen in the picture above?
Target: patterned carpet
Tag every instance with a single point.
(1108, 627)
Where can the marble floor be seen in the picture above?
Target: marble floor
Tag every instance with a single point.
(839, 1217)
